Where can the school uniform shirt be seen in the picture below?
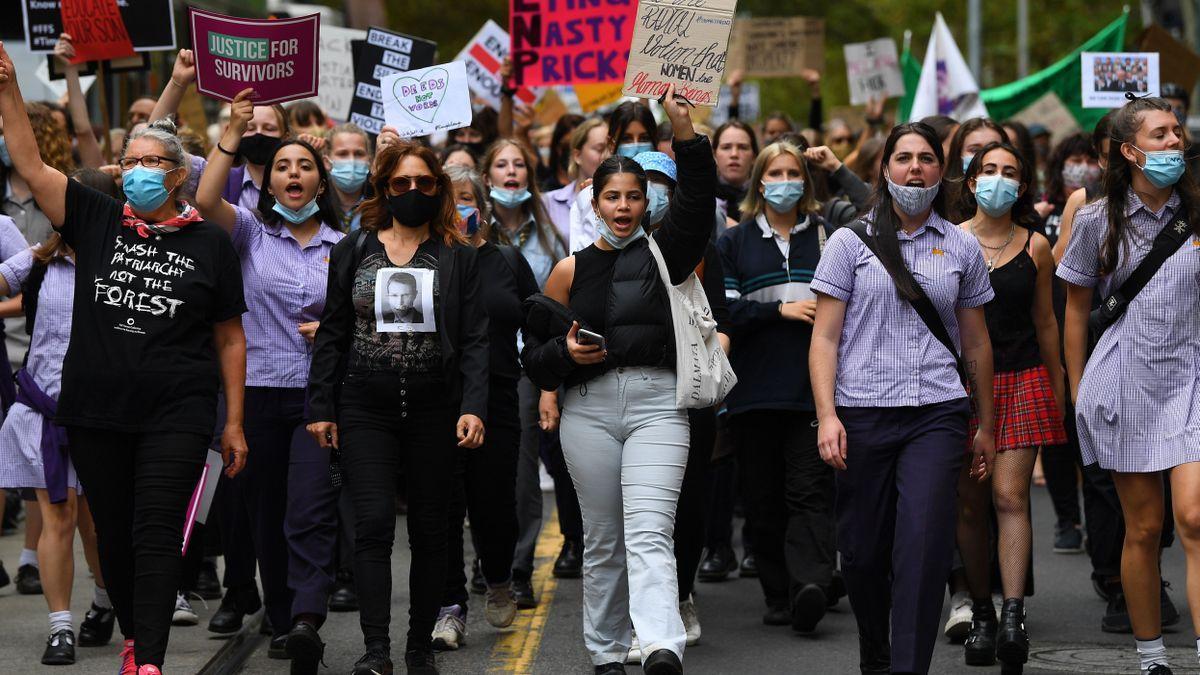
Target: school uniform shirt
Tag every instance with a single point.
(887, 356)
(584, 225)
(1138, 407)
(558, 207)
(247, 199)
(141, 356)
(285, 287)
(528, 240)
(33, 227)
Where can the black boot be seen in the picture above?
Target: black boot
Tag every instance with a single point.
(980, 647)
(569, 564)
(1012, 642)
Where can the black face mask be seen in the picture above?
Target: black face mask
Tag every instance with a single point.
(476, 149)
(257, 149)
(413, 208)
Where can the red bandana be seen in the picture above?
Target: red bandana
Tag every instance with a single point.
(186, 217)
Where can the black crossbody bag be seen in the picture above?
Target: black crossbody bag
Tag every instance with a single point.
(922, 303)
(1168, 241)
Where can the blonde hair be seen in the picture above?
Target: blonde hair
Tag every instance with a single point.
(754, 204)
(579, 139)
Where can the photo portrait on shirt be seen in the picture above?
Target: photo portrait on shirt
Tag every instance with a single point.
(404, 300)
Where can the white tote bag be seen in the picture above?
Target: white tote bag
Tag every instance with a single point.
(703, 375)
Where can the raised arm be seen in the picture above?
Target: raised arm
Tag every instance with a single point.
(89, 150)
(212, 205)
(182, 77)
(687, 227)
(49, 185)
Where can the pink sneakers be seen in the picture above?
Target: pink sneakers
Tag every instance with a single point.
(128, 665)
(148, 669)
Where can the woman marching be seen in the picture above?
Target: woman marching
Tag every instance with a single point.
(404, 329)
(1135, 397)
(625, 441)
(151, 340)
(284, 246)
(1027, 393)
(891, 406)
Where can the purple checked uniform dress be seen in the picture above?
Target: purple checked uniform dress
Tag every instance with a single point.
(1138, 407)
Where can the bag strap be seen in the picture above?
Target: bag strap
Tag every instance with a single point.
(29, 293)
(1168, 241)
(510, 253)
(922, 304)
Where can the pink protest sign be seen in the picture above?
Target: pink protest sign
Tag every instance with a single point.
(278, 58)
(573, 42)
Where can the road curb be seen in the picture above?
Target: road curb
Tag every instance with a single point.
(232, 655)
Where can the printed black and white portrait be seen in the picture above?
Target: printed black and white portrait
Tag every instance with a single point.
(404, 300)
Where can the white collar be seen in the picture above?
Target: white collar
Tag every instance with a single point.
(769, 232)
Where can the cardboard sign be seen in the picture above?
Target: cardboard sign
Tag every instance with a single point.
(1107, 76)
(150, 24)
(1177, 62)
(428, 100)
(483, 56)
(58, 85)
(383, 53)
(1050, 112)
(777, 46)
(873, 70)
(749, 105)
(683, 44)
(277, 58)
(96, 29)
(336, 87)
(592, 97)
(555, 42)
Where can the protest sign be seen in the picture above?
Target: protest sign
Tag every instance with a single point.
(1050, 112)
(873, 70)
(58, 85)
(549, 108)
(336, 82)
(277, 58)
(96, 29)
(592, 97)
(570, 42)
(12, 24)
(749, 105)
(150, 24)
(1105, 77)
(777, 46)
(428, 100)
(383, 53)
(483, 56)
(1177, 62)
(680, 44)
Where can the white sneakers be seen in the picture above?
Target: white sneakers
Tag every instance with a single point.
(449, 633)
(959, 623)
(634, 657)
(184, 614)
(501, 607)
(691, 620)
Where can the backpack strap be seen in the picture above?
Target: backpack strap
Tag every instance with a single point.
(1168, 241)
(922, 304)
(29, 294)
(510, 253)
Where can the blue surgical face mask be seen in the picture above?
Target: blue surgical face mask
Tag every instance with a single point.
(5, 158)
(966, 159)
(996, 194)
(299, 216)
(349, 174)
(657, 200)
(1163, 168)
(782, 195)
(144, 188)
(613, 240)
(470, 216)
(632, 150)
(510, 198)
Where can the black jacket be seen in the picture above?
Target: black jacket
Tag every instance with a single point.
(462, 321)
(638, 328)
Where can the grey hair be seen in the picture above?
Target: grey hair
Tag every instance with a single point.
(458, 173)
(164, 131)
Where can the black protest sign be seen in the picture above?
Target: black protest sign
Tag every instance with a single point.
(383, 53)
(150, 24)
(12, 26)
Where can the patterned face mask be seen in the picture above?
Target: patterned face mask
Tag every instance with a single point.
(911, 199)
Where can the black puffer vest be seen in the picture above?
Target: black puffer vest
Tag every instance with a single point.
(638, 313)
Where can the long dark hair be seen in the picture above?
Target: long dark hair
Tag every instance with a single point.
(1022, 211)
(326, 210)
(612, 166)
(882, 215)
(1024, 142)
(562, 129)
(1118, 179)
(953, 182)
(627, 113)
(1075, 144)
(375, 213)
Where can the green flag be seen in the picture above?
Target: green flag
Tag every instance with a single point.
(910, 69)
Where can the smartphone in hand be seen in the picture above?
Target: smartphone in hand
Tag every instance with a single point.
(587, 337)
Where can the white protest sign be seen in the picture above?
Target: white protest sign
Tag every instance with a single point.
(873, 71)
(483, 56)
(424, 101)
(1107, 76)
(337, 70)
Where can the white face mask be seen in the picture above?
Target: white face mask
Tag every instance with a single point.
(911, 199)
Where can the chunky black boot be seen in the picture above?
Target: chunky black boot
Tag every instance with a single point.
(980, 647)
(1012, 642)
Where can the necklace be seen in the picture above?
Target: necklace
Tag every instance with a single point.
(991, 262)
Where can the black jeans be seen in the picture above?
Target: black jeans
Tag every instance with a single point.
(387, 421)
(485, 487)
(789, 501)
(692, 507)
(138, 487)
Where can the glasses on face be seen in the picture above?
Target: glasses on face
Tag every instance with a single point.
(148, 161)
(401, 184)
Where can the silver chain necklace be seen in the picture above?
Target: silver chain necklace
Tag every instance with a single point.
(991, 262)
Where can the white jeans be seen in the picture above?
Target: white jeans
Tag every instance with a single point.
(626, 446)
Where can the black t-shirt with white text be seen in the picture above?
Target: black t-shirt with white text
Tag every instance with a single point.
(141, 356)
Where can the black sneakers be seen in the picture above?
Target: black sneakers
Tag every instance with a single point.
(808, 607)
(662, 662)
(420, 662)
(60, 649)
(375, 662)
(1068, 538)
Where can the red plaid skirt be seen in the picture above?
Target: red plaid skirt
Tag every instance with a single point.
(1026, 416)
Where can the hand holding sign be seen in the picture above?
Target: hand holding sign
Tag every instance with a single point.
(420, 102)
(677, 111)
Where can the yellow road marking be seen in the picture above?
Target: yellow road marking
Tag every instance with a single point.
(517, 647)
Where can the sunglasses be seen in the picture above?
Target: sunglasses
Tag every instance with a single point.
(402, 184)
